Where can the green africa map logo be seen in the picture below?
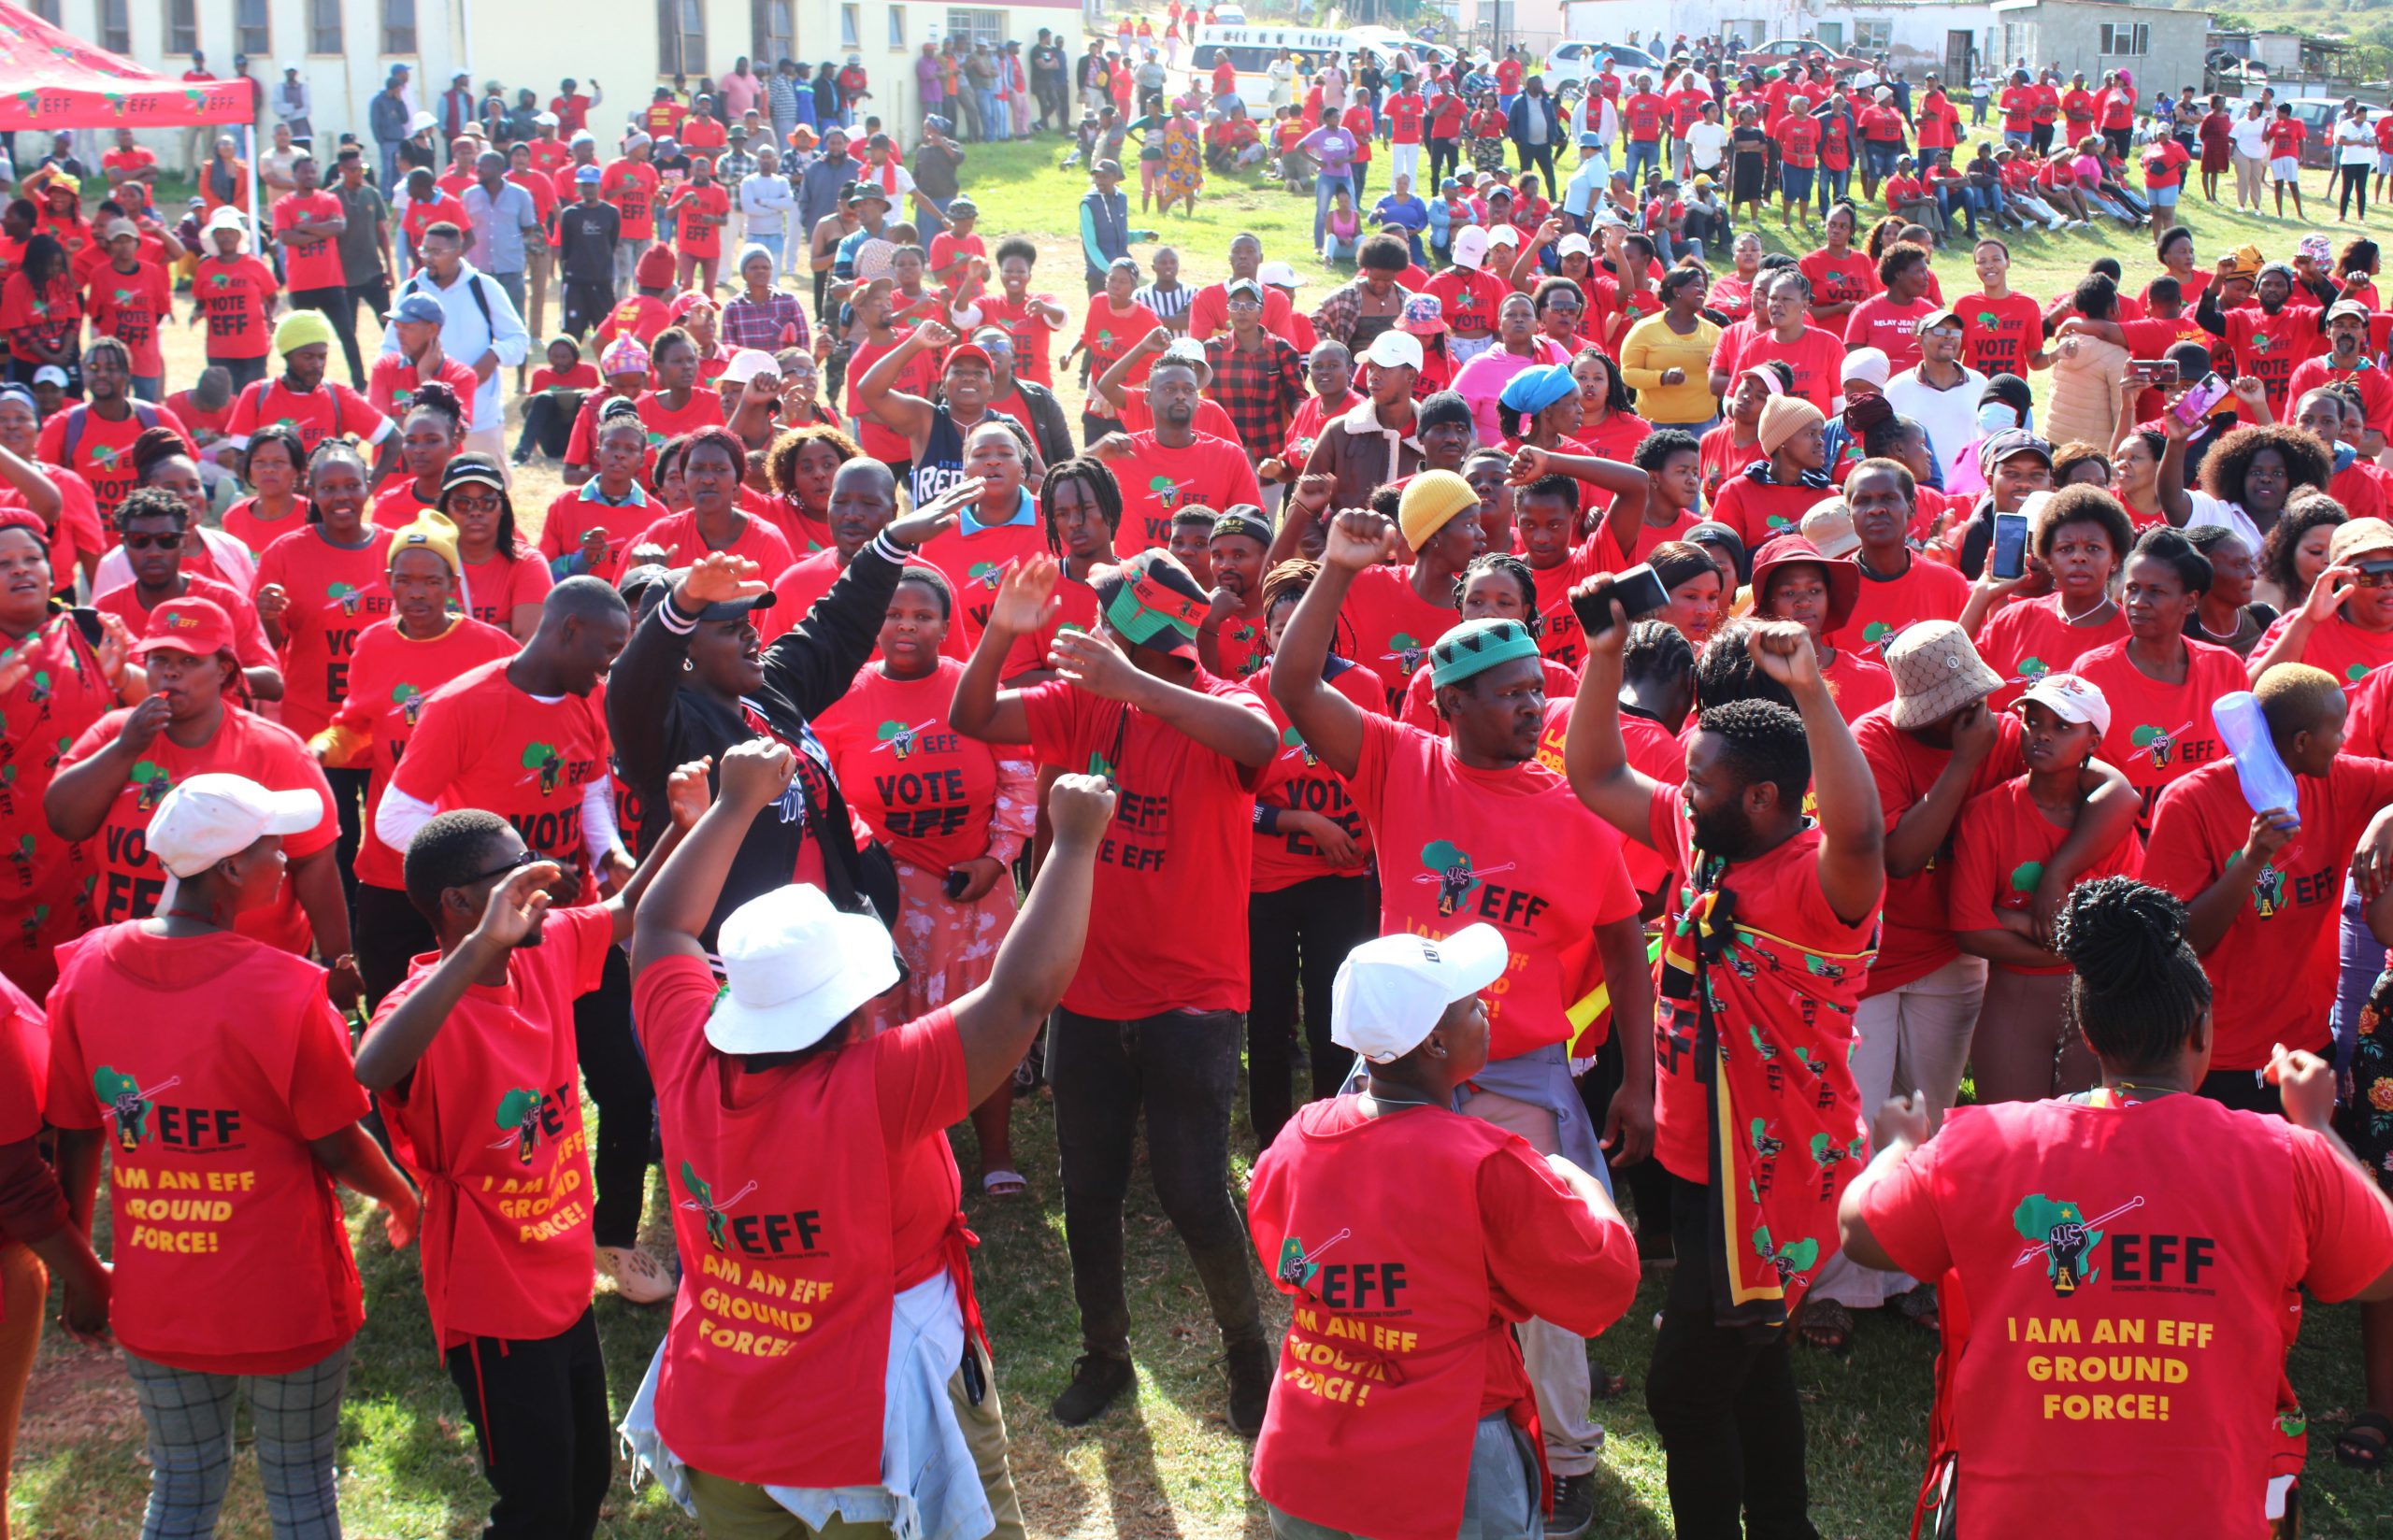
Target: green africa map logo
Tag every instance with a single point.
(1298, 1266)
(519, 1113)
(544, 759)
(701, 1201)
(900, 739)
(2057, 1230)
(1449, 866)
(128, 1104)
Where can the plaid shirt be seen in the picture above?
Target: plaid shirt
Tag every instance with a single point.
(1260, 391)
(749, 324)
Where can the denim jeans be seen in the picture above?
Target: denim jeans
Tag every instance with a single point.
(1182, 1070)
(1323, 186)
(1795, 182)
(1835, 187)
(1879, 157)
(1643, 155)
(995, 121)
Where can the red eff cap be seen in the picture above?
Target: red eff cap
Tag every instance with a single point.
(197, 626)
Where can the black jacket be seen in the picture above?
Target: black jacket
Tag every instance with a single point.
(657, 725)
(1049, 428)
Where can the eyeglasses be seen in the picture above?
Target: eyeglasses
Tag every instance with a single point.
(153, 542)
(523, 857)
(2372, 576)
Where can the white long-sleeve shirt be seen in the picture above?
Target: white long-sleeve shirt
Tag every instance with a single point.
(467, 332)
(765, 202)
(398, 817)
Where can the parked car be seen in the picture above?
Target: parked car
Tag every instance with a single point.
(2318, 114)
(1785, 50)
(1573, 65)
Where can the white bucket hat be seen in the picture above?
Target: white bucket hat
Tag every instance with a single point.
(796, 967)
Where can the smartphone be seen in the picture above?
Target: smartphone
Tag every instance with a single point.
(87, 621)
(953, 886)
(2196, 403)
(2010, 558)
(1638, 589)
(2156, 371)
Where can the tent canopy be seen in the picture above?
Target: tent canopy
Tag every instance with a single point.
(50, 79)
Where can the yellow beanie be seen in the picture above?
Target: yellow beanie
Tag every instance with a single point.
(1430, 499)
(431, 532)
(300, 328)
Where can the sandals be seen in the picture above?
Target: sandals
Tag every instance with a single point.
(1826, 1325)
(1003, 1183)
(1919, 1308)
(2364, 1441)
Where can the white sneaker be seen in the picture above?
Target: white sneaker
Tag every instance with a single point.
(640, 1277)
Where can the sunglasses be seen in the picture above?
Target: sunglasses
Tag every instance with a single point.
(153, 542)
(520, 860)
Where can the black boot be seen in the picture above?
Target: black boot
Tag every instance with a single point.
(1097, 1378)
(1252, 1369)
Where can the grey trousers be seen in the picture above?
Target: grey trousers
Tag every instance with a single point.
(189, 1414)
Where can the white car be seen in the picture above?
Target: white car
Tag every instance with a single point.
(1229, 16)
(1573, 63)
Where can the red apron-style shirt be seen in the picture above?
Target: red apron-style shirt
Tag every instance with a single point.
(805, 1199)
(231, 1250)
(490, 1125)
(43, 901)
(1409, 1243)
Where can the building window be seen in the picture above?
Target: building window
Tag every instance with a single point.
(2127, 41)
(48, 11)
(851, 30)
(978, 26)
(1872, 36)
(897, 29)
(774, 34)
(398, 26)
(681, 38)
(116, 26)
(182, 27)
(250, 30)
(323, 27)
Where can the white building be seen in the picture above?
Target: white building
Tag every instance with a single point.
(345, 48)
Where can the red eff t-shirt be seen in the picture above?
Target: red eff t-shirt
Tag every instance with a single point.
(691, 234)
(391, 385)
(918, 376)
(631, 187)
(2275, 977)
(579, 509)
(389, 680)
(2348, 651)
(308, 264)
(24, 1069)
(1924, 591)
(2174, 1228)
(1778, 891)
(1393, 628)
(103, 454)
(1840, 281)
(249, 636)
(231, 1251)
(237, 297)
(490, 1125)
(2161, 732)
(331, 410)
(1469, 299)
(1880, 323)
(2029, 638)
(1174, 866)
(1030, 332)
(1999, 335)
(480, 742)
(245, 743)
(334, 593)
(1514, 848)
(1158, 480)
(503, 584)
(1817, 358)
(762, 1167)
(2268, 347)
(1297, 781)
(678, 533)
(2000, 844)
(1917, 941)
(928, 791)
(129, 308)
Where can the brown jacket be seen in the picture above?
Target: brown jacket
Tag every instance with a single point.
(1363, 455)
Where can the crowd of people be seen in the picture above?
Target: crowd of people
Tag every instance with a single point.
(1698, 734)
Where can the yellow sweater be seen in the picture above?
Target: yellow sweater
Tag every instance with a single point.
(1649, 350)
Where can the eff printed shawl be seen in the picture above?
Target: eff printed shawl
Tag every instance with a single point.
(1770, 1026)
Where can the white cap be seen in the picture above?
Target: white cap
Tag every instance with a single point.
(1393, 349)
(417, 124)
(1504, 234)
(1391, 991)
(544, 119)
(227, 217)
(1469, 247)
(1572, 245)
(1870, 365)
(794, 968)
(2072, 698)
(213, 817)
(1188, 350)
(747, 364)
(1279, 275)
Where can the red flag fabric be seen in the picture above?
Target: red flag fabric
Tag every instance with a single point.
(49, 79)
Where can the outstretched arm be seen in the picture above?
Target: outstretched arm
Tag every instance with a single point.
(681, 898)
(1331, 724)
(1853, 862)
(1595, 757)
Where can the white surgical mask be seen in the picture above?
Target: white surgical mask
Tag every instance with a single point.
(1995, 415)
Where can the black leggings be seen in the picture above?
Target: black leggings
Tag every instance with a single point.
(387, 934)
(617, 1076)
(1299, 935)
(2354, 180)
(349, 798)
(548, 423)
(545, 1435)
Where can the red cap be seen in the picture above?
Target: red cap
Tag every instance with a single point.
(197, 626)
(26, 519)
(691, 300)
(964, 350)
(655, 269)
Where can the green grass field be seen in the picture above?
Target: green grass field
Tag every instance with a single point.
(1165, 1465)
